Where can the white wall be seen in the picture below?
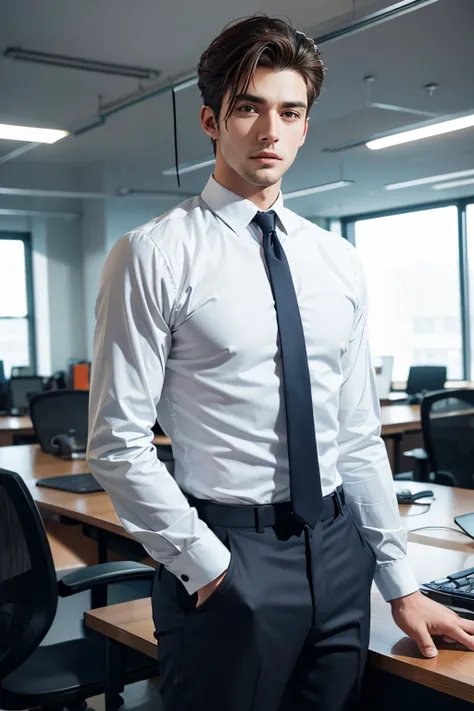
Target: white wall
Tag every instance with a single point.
(66, 305)
(56, 259)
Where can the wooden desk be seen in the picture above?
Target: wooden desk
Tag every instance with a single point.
(398, 422)
(11, 426)
(97, 510)
(451, 672)
(69, 547)
(449, 502)
(399, 419)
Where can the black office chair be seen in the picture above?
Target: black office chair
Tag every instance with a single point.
(21, 389)
(447, 423)
(58, 412)
(58, 675)
(423, 379)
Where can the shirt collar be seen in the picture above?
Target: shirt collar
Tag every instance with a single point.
(236, 211)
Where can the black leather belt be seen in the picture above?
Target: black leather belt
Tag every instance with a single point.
(259, 516)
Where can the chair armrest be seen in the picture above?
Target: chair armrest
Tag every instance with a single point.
(103, 574)
(417, 453)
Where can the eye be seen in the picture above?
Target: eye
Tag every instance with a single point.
(245, 108)
(291, 114)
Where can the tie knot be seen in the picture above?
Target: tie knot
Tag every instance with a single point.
(266, 221)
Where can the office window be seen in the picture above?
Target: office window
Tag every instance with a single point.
(470, 262)
(411, 264)
(16, 327)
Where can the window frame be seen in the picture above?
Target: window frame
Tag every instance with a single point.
(348, 232)
(25, 237)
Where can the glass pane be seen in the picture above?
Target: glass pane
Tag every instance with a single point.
(470, 263)
(14, 343)
(412, 270)
(12, 278)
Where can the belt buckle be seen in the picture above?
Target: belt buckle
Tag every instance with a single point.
(259, 519)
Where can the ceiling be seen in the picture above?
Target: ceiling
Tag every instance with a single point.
(432, 44)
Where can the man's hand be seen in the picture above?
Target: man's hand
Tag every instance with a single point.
(207, 590)
(420, 618)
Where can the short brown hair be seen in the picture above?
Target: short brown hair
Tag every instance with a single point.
(258, 41)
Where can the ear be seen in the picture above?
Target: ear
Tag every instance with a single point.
(305, 132)
(208, 122)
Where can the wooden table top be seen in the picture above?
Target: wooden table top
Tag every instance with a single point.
(97, 509)
(449, 502)
(451, 672)
(16, 424)
(31, 464)
(397, 419)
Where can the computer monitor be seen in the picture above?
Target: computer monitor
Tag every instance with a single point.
(21, 389)
(426, 378)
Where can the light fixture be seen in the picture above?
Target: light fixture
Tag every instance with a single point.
(415, 134)
(88, 65)
(39, 213)
(27, 133)
(318, 189)
(190, 166)
(454, 184)
(430, 179)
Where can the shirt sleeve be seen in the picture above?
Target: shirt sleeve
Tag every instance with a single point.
(363, 461)
(133, 335)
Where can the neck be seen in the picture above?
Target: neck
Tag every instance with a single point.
(262, 197)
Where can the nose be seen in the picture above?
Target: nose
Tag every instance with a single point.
(269, 128)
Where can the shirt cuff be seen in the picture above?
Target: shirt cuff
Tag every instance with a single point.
(396, 579)
(201, 563)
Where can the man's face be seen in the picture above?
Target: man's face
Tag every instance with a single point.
(269, 118)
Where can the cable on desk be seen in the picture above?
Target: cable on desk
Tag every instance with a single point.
(437, 528)
(419, 503)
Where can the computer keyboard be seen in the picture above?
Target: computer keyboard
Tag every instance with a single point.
(455, 590)
(74, 483)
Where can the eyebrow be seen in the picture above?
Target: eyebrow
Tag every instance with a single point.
(258, 100)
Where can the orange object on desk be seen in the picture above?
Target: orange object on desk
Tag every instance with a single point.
(81, 376)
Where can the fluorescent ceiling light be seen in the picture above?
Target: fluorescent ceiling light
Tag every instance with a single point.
(39, 213)
(33, 135)
(435, 129)
(88, 65)
(190, 166)
(454, 184)
(318, 189)
(430, 179)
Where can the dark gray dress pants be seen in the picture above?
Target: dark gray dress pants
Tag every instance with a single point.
(286, 630)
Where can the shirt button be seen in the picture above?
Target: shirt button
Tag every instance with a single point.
(185, 578)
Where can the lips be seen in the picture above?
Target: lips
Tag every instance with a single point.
(267, 156)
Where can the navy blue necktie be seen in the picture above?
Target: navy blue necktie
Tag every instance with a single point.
(305, 480)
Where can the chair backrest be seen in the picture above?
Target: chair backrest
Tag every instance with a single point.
(57, 412)
(447, 420)
(20, 389)
(426, 378)
(28, 586)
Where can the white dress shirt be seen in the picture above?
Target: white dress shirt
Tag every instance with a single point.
(187, 333)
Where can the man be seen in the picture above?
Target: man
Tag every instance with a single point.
(242, 327)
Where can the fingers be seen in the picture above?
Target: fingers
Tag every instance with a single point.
(425, 643)
(466, 625)
(457, 634)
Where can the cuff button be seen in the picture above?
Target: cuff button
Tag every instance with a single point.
(185, 578)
